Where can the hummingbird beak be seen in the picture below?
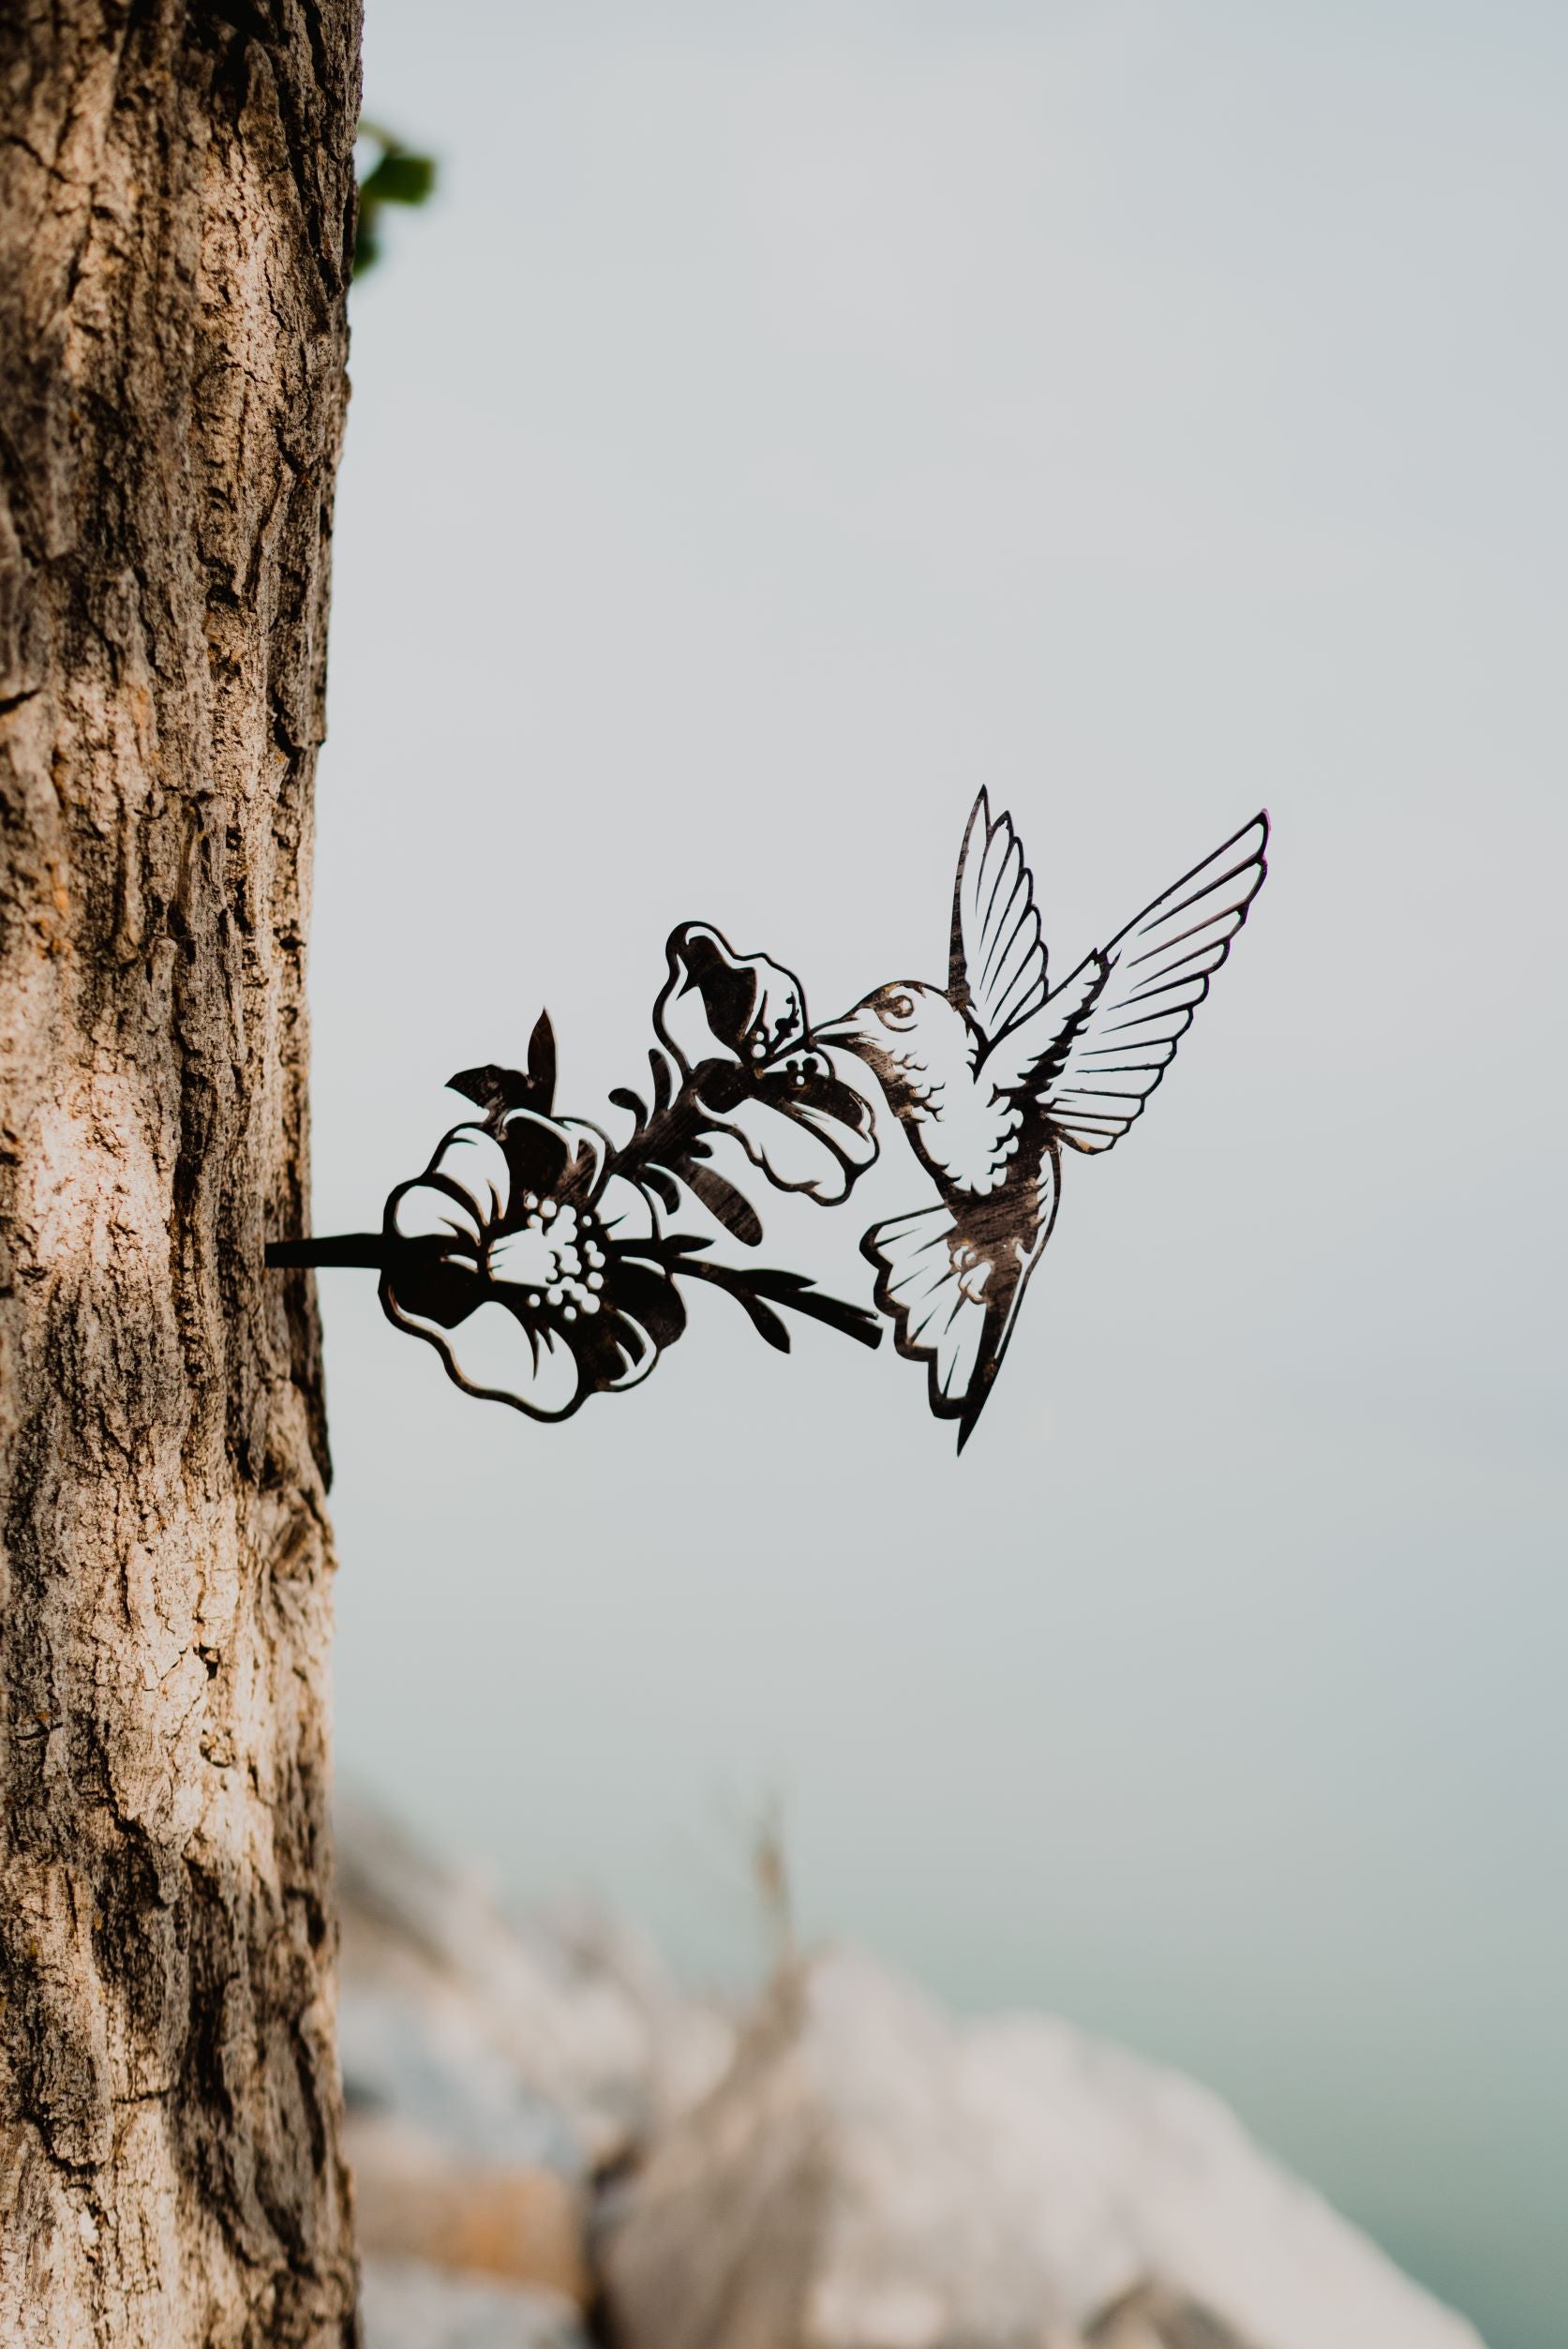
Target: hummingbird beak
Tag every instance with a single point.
(844, 1031)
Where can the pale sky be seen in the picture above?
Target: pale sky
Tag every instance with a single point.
(786, 421)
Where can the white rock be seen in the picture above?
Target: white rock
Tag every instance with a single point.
(406, 2305)
(872, 2176)
(559, 2041)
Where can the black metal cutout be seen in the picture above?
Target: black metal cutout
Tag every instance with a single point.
(544, 1265)
(992, 1076)
(540, 1260)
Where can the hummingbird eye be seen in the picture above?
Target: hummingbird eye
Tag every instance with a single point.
(896, 1010)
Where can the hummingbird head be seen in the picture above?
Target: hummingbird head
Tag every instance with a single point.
(910, 1036)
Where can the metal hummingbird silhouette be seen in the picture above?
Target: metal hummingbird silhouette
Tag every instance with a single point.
(545, 1266)
(994, 1075)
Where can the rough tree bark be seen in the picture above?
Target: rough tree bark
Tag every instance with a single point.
(175, 209)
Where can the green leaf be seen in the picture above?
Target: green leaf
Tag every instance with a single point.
(397, 177)
(400, 178)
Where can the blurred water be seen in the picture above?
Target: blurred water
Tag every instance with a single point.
(784, 422)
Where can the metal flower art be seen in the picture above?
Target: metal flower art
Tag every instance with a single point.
(737, 1027)
(545, 1266)
(536, 1285)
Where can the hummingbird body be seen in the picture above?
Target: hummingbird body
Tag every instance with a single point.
(962, 1131)
(994, 1075)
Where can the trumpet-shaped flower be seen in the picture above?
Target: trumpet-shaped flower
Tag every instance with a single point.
(736, 1026)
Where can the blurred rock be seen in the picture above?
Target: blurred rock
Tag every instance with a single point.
(414, 2199)
(872, 2176)
(560, 2043)
(490, 2069)
(854, 2170)
(404, 2305)
(1152, 2318)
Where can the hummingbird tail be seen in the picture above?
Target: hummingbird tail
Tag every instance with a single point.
(952, 1277)
(930, 1286)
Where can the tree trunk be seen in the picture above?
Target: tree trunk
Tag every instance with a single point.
(175, 210)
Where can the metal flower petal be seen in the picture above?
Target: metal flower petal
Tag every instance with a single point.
(465, 1187)
(626, 1212)
(523, 1266)
(738, 1026)
(803, 1126)
(720, 1005)
(551, 1157)
(493, 1352)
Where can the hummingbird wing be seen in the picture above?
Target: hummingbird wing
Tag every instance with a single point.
(1107, 1058)
(996, 959)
